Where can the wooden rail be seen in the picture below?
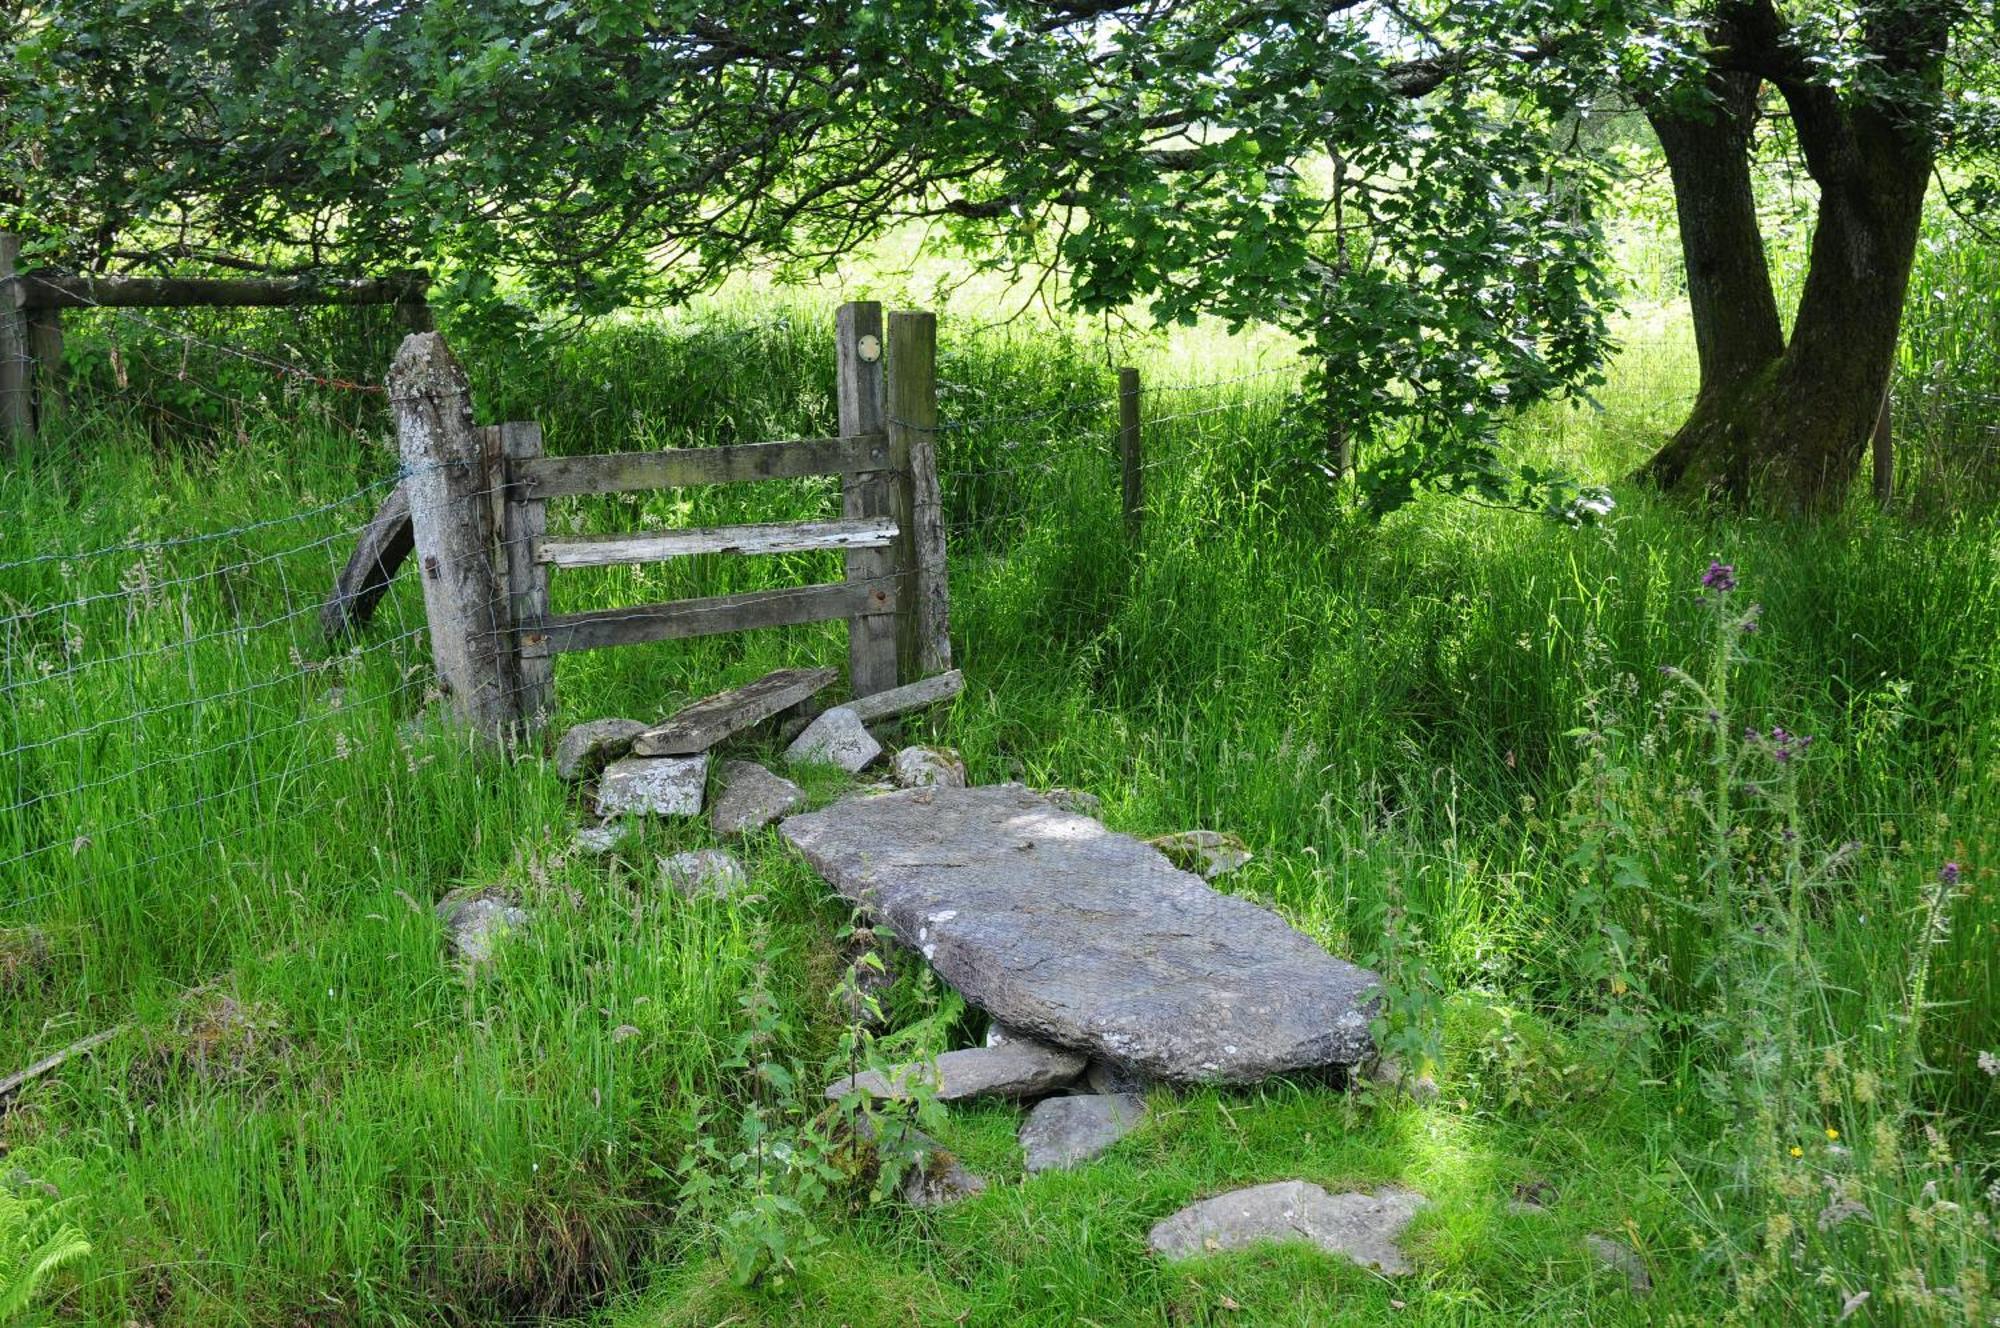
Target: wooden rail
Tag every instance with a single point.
(31, 328)
(57, 290)
(681, 467)
(654, 546)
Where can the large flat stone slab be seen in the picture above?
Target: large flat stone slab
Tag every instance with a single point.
(1359, 1225)
(1088, 939)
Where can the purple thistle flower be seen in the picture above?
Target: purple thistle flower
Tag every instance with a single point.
(1719, 576)
(1949, 873)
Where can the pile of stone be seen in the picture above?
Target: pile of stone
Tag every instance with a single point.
(634, 770)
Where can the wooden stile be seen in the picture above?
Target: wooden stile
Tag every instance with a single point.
(890, 533)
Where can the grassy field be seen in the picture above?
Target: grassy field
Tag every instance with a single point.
(1729, 1008)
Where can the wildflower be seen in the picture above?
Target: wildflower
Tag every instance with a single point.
(1798, 1151)
(1989, 1064)
(1831, 1134)
(1949, 873)
(1719, 576)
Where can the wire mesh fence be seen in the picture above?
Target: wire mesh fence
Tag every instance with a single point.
(168, 692)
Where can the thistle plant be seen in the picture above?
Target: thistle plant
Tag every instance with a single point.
(1821, 1136)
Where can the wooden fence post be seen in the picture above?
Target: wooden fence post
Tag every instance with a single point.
(1883, 445)
(448, 478)
(871, 637)
(527, 580)
(1131, 453)
(17, 365)
(926, 621)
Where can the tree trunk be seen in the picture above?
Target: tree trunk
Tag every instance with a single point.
(1789, 423)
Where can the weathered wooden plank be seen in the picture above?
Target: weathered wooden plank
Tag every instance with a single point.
(55, 290)
(871, 639)
(371, 569)
(653, 546)
(448, 481)
(908, 697)
(524, 521)
(679, 467)
(706, 617)
(698, 727)
(913, 415)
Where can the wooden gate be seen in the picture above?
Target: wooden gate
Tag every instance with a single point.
(492, 630)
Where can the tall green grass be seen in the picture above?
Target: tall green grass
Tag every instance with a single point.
(1433, 731)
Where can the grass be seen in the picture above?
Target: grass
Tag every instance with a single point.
(1447, 738)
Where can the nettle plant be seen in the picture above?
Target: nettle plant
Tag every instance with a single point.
(1700, 910)
(763, 1182)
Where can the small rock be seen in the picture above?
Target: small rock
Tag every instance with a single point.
(708, 872)
(1019, 1069)
(589, 747)
(1063, 1131)
(1387, 1073)
(928, 767)
(1109, 1077)
(1360, 1225)
(937, 1178)
(751, 798)
(653, 785)
(1076, 800)
(999, 1035)
(1533, 1196)
(1206, 853)
(475, 921)
(1623, 1259)
(837, 737)
(598, 840)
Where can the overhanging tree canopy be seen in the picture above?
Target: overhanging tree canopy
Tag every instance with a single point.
(1412, 188)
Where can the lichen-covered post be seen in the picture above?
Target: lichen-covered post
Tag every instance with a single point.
(871, 637)
(925, 637)
(17, 365)
(449, 479)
